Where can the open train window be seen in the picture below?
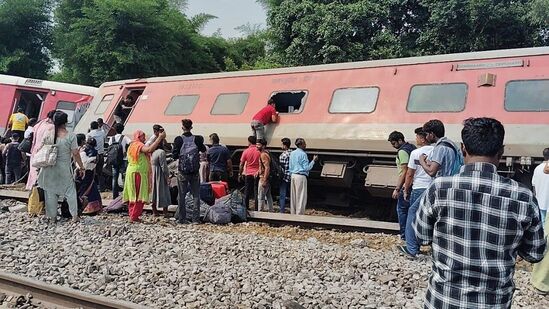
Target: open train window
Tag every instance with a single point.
(230, 104)
(354, 100)
(181, 105)
(69, 108)
(527, 95)
(437, 98)
(289, 102)
(104, 104)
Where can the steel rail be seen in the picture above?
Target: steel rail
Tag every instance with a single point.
(50, 295)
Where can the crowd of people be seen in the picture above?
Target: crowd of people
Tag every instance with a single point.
(448, 196)
(476, 221)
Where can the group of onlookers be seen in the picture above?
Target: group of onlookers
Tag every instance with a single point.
(477, 221)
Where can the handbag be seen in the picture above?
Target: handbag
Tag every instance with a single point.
(35, 205)
(45, 157)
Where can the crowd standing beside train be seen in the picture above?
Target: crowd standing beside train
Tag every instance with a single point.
(449, 197)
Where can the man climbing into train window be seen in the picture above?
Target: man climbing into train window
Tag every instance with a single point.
(265, 116)
(416, 182)
(187, 147)
(403, 155)
(445, 159)
(478, 222)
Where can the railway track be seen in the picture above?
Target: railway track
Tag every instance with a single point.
(334, 222)
(21, 292)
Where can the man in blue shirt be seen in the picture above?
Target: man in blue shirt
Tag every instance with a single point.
(299, 169)
(219, 157)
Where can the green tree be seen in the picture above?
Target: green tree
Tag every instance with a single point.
(25, 32)
(117, 39)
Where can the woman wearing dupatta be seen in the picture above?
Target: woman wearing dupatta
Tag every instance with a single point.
(137, 184)
(42, 130)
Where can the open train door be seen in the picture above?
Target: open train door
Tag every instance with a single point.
(30, 101)
(127, 102)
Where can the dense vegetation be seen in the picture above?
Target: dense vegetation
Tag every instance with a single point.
(92, 41)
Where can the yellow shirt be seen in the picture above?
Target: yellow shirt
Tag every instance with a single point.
(18, 122)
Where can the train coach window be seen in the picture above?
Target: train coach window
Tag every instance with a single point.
(527, 95)
(104, 104)
(230, 104)
(289, 101)
(437, 98)
(354, 100)
(181, 105)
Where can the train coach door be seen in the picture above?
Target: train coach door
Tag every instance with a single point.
(127, 102)
(30, 101)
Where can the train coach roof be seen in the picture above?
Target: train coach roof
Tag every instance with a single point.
(483, 55)
(44, 84)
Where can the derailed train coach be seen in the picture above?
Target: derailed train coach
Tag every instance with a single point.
(37, 97)
(346, 111)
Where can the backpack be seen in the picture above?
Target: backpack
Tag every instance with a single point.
(207, 194)
(276, 172)
(189, 158)
(13, 155)
(458, 161)
(115, 153)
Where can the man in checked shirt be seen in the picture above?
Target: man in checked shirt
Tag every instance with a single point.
(478, 222)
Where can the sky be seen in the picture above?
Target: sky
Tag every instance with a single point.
(230, 14)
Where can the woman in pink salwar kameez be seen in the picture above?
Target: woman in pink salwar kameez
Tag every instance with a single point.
(42, 129)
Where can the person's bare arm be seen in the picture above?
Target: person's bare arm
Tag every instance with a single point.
(267, 166)
(400, 181)
(230, 167)
(408, 181)
(430, 167)
(77, 158)
(153, 146)
(274, 117)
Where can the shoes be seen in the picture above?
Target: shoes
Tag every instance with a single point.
(407, 253)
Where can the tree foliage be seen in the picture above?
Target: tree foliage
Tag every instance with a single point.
(25, 37)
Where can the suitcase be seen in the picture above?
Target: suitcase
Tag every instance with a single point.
(206, 193)
(220, 188)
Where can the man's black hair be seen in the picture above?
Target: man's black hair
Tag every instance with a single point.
(396, 136)
(482, 136)
(51, 114)
(80, 139)
(100, 120)
(299, 142)
(546, 154)
(157, 127)
(15, 136)
(92, 142)
(252, 139)
(419, 131)
(262, 142)
(94, 125)
(187, 124)
(20, 109)
(32, 122)
(434, 126)
(286, 142)
(118, 128)
(215, 138)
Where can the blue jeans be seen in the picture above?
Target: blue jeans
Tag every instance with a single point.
(283, 190)
(402, 213)
(411, 240)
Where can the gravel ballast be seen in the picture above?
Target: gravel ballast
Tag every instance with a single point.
(238, 266)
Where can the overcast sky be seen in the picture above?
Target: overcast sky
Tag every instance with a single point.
(230, 14)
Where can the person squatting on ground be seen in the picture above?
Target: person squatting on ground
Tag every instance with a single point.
(540, 184)
(403, 156)
(445, 158)
(117, 157)
(249, 166)
(264, 186)
(284, 184)
(299, 170)
(478, 222)
(416, 182)
(137, 184)
(57, 181)
(14, 159)
(265, 116)
(187, 147)
(219, 159)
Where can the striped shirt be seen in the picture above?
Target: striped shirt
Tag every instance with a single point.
(284, 160)
(477, 222)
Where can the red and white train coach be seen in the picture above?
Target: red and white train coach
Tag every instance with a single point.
(37, 97)
(346, 111)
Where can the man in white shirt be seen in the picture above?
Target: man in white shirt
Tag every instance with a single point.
(540, 182)
(118, 169)
(415, 184)
(99, 136)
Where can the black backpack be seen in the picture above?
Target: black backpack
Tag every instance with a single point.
(115, 152)
(276, 172)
